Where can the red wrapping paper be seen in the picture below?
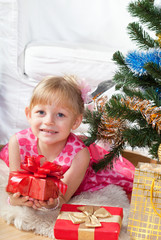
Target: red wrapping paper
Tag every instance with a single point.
(65, 229)
(38, 182)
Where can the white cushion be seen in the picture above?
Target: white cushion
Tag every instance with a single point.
(90, 62)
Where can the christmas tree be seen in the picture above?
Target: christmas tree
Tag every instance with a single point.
(132, 117)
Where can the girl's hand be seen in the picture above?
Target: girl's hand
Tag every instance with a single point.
(51, 203)
(17, 200)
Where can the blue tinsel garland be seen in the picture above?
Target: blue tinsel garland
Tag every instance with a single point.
(137, 59)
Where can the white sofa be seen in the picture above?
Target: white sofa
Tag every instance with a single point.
(44, 37)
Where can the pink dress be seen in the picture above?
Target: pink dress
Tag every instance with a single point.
(122, 173)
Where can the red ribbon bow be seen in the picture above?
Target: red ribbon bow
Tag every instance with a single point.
(32, 164)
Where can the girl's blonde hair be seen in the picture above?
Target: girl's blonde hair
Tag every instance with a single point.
(60, 90)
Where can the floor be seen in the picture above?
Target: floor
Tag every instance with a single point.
(9, 232)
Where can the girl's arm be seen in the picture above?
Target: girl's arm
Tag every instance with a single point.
(75, 174)
(14, 165)
(14, 154)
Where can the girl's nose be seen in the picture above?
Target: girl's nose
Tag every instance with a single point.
(49, 120)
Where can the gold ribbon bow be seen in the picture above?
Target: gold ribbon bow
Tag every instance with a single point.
(89, 215)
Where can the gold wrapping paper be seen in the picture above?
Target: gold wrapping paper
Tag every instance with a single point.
(159, 153)
(144, 220)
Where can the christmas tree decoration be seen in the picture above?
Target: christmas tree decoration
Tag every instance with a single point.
(133, 117)
(151, 113)
(136, 60)
(109, 128)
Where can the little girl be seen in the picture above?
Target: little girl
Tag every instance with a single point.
(56, 108)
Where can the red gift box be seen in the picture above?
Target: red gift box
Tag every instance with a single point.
(109, 227)
(39, 182)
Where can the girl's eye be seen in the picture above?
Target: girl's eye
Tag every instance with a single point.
(61, 115)
(41, 112)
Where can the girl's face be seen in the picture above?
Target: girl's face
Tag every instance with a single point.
(52, 124)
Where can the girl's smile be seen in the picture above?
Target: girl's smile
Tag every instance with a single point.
(48, 131)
